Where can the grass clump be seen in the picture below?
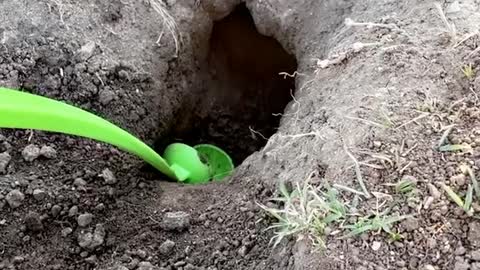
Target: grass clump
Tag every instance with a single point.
(468, 71)
(306, 212)
(376, 223)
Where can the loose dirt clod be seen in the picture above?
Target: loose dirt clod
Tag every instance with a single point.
(31, 152)
(108, 176)
(166, 247)
(33, 222)
(176, 221)
(15, 198)
(88, 240)
(39, 194)
(146, 266)
(48, 152)
(4, 161)
(84, 220)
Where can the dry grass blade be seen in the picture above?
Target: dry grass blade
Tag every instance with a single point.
(168, 22)
(467, 207)
(358, 173)
(453, 196)
(467, 170)
(445, 134)
(455, 147)
(450, 26)
(306, 212)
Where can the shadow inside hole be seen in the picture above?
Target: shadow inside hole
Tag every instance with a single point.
(237, 104)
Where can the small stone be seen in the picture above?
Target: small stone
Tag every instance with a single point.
(91, 260)
(146, 266)
(39, 194)
(179, 264)
(48, 152)
(56, 209)
(376, 245)
(73, 211)
(178, 221)
(434, 192)
(460, 265)
(18, 259)
(100, 207)
(460, 251)
(458, 180)
(31, 152)
(189, 267)
(86, 51)
(243, 251)
(474, 233)
(105, 96)
(167, 247)
(84, 254)
(108, 176)
(117, 267)
(26, 238)
(79, 182)
(93, 240)
(475, 255)
(453, 8)
(15, 198)
(33, 222)
(410, 224)
(85, 219)
(4, 160)
(66, 231)
(142, 254)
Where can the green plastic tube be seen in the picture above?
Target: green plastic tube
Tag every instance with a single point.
(27, 111)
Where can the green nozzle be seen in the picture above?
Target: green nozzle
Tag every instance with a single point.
(27, 111)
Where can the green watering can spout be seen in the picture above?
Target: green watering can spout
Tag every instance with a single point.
(182, 162)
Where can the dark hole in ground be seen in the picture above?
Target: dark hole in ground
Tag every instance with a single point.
(242, 94)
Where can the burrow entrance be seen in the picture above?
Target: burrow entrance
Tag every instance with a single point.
(240, 97)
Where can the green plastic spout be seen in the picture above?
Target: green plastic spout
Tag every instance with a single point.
(27, 111)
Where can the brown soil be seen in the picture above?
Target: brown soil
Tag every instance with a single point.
(388, 102)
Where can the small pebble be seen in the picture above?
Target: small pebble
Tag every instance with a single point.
(73, 211)
(458, 180)
(31, 152)
(100, 207)
(167, 247)
(48, 152)
(108, 176)
(84, 254)
(475, 255)
(146, 266)
(18, 259)
(15, 198)
(56, 209)
(176, 221)
(66, 231)
(434, 192)
(376, 245)
(85, 219)
(91, 260)
(4, 161)
(93, 240)
(33, 222)
(79, 182)
(39, 194)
